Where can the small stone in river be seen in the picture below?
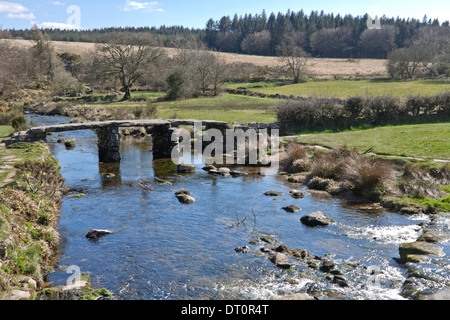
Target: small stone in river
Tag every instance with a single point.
(243, 249)
(95, 234)
(316, 219)
(297, 194)
(186, 168)
(273, 193)
(185, 199)
(291, 209)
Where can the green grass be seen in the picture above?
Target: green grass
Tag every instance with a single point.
(6, 132)
(442, 204)
(226, 107)
(346, 88)
(427, 141)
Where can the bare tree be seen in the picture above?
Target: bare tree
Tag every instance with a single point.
(126, 57)
(408, 63)
(294, 59)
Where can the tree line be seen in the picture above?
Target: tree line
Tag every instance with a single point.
(319, 34)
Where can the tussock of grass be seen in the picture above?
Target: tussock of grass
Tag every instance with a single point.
(344, 169)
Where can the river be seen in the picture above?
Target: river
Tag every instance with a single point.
(162, 249)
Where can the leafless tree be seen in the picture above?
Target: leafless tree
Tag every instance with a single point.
(126, 57)
(294, 59)
(408, 63)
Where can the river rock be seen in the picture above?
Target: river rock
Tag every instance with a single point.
(297, 194)
(186, 168)
(95, 234)
(419, 248)
(340, 281)
(316, 219)
(327, 266)
(224, 171)
(280, 260)
(181, 192)
(236, 173)
(209, 167)
(291, 209)
(274, 193)
(434, 237)
(185, 198)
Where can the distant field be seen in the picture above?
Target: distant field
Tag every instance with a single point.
(316, 67)
(427, 141)
(346, 88)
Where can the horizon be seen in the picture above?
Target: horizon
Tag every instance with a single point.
(85, 15)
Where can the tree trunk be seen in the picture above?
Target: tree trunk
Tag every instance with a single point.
(127, 95)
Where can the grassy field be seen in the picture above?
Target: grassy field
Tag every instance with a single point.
(426, 141)
(226, 107)
(346, 88)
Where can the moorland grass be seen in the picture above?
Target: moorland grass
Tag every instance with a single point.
(351, 88)
(427, 141)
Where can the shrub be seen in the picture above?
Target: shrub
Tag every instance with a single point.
(368, 177)
(326, 166)
(19, 123)
(294, 154)
(303, 114)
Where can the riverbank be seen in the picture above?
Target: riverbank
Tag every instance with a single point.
(31, 191)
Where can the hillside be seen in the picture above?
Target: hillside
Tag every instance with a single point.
(321, 68)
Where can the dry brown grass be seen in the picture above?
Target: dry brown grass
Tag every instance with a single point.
(316, 67)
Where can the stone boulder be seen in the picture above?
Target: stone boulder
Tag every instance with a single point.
(316, 219)
(420, 248)
(291, 209)
(186, 168)
(184, 196)
(95, 234)
(274, 193)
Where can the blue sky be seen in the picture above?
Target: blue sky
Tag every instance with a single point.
(21, 14)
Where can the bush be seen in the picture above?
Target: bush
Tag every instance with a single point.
(19, 123)
(303, 114)
(294, 159)
(368, 177)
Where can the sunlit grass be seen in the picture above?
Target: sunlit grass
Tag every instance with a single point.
(427, 141)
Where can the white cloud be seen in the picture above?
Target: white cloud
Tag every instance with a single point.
(58, 3)
(25, 16)
(131, 5)
(56, 25)
(10, 7)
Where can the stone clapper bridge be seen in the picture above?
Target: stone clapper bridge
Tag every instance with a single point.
(108, 134)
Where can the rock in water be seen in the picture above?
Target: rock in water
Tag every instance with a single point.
(209, 167)
(291, 209)
(95, 234)
(420, 248)
(186, 168)
(316, 219)
(274, 193)
(184, 197)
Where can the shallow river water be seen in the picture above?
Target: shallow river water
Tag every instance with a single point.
(162, 249)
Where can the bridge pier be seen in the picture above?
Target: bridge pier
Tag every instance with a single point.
(165, 139)
(108, 144)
